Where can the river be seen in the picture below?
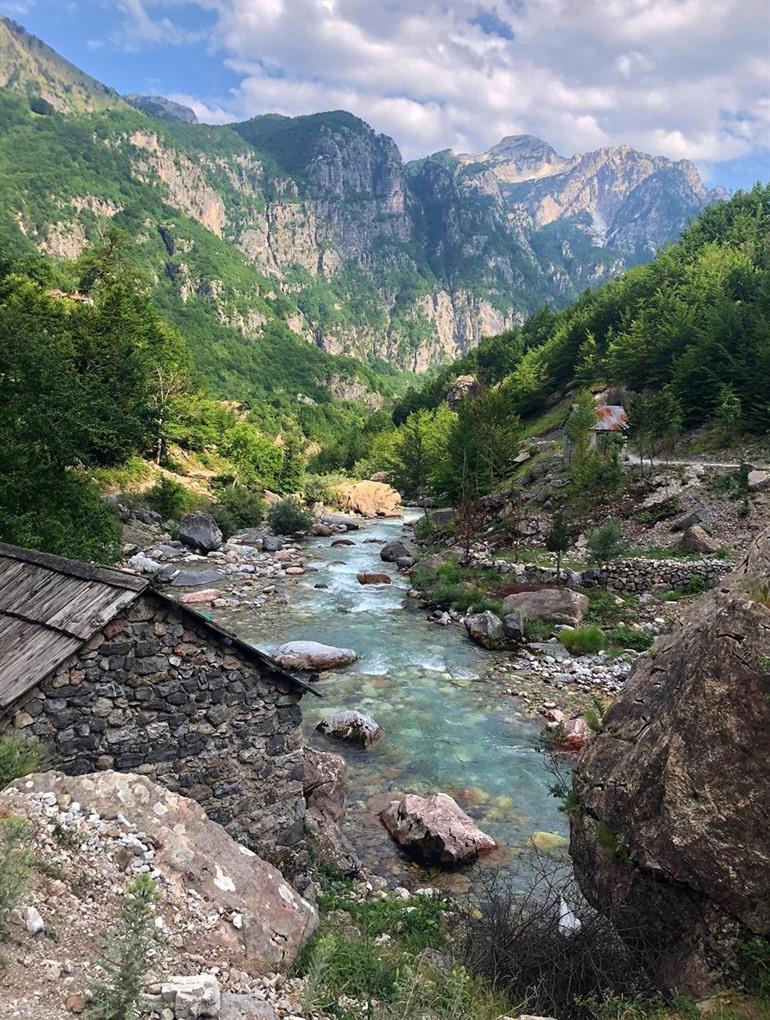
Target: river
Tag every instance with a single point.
(445, 727)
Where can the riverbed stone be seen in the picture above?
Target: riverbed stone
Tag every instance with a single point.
(435, 829)
(486, 629)
(321, 530)
(200, 531)
(352, 726)
(372, 578)
(272, 543)
(193, 578)
(393, 551)
(313, 656)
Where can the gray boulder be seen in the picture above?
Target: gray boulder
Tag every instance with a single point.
(552, 605)
(513, 629)
(200, 531)
(686, 521)
(485, 629)
(272, 543)
(325, 788)
(758, 480)
(393, 551)
(193, 578)
(245, 1007)
(313, 656)
(696, 540)
(352, 726)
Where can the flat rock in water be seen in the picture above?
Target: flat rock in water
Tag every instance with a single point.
(313, 656)
(193, 578)
(367, 578)
(352, 726)
(202, 597)
(342, 541)
(435, 829)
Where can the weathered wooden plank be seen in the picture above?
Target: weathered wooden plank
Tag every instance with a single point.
(28, 653)
(85, 571)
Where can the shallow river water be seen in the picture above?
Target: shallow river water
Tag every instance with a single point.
(445, 728)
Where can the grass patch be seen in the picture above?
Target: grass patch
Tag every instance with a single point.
(606, 608)
(19, 755)
(629, 637)
(451, 586)
(124, 477)
(582, 640)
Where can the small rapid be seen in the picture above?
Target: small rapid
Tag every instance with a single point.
(446, 728)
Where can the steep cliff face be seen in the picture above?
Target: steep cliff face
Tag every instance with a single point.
(370, 256)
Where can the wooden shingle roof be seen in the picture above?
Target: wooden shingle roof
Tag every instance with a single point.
(51, 606)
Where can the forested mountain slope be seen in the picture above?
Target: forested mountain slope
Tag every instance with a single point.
(313, 227)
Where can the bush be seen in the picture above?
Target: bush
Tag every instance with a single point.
(237, 507)
(605, 543)
(510, 935)
(19, 756)
(15, 863)
(582, 640)
(170, 499)
(629, 637)
(129, 954)
(605, 608)
(322, 488)
(288, 517)
(537, 630)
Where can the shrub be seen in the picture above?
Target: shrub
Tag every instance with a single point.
(629, 637)
(19, 755)
(15, 863)
(582, 640)
(510, 935)
(322, 488)
(129, 954)
(605, 608)
(237, 507)
(288, 517)
(605, 543)
(537, 630)
(170, 499)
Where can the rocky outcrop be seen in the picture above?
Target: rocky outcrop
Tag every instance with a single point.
(352, 726)
(313, 656)
(200, 531)
(465, 387)
(190, 854)
(552, 605)
(325, 794)
(370, 499)
(435, 829)
(670, 836)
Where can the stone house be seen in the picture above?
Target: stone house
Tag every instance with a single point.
(109, 673)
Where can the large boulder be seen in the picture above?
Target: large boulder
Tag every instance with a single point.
(670, 835)
(485, 629)
(435, 829)
(758, 480)
(696, 540)
(465, 387)
(325, 787)
(193, 578)
(552, 605)
(313, 656)
(200, 531)
(366, 577)
(370, 499)
(352, 726)
(194, 855)
(393, 551)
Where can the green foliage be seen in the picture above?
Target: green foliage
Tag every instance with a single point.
(237, 507)
(605, 543)
(289, 517)
(755, 958)
(131, 950)
(481, 444)
(605, 608)
(558, 538)
(15, 864)
(417, 458)
(451, 586)
(169, 498)
(19, 755)
(629, 637)
(582, 640)
(537, 630)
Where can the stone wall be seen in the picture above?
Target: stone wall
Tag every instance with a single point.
(633, 575)
(154, 693)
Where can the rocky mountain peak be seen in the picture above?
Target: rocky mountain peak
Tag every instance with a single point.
(162, 108)
(519, 158)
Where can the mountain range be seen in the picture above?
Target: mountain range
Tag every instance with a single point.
(315, 224)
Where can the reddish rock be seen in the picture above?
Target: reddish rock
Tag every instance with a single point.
(205, 595)
(577, 733)
(435, 829)
(366, 578)
(294, 571)
(371, 499)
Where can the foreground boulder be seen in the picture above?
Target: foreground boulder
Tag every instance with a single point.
(370, 499)
(352, 726)
(677, 779)
(697, 540)
(313, 656)
(200, 531)
(552, 605)
(485, 629)
(435, 829)
(197, 860)
(393, 551)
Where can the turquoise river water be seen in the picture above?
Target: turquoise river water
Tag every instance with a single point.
(445, 727)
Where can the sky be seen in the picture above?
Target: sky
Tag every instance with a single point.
(687, 79)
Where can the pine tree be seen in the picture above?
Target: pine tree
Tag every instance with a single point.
(558, 539)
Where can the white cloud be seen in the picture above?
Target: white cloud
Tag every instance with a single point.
(683, 78)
